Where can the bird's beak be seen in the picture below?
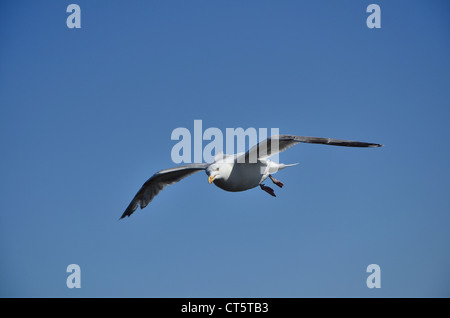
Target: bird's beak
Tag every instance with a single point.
(211, 179)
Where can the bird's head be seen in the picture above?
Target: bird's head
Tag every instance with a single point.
(214, 172)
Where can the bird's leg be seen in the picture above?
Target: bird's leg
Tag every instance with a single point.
(277, 182)
(269, 190)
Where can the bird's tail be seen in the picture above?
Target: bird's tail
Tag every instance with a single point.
(282, 166)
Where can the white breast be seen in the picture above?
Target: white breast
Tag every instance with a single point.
(241, 176)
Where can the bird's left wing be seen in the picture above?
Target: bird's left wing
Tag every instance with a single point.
(158, 182)
(279, 143)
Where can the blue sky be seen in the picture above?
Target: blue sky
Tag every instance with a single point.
(86, 117)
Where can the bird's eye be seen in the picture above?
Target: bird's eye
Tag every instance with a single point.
(217, 169)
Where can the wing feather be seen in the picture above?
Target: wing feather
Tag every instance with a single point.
(279, 143)
(158, 182)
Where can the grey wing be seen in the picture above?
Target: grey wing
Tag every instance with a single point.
(158, 182)
(330, 141)
(279, 143)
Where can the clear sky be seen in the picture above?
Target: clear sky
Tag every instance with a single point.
(86, 117)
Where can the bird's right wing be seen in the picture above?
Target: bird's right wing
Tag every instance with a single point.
(158, 182)
(275, 144)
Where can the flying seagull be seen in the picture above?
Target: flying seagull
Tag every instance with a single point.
(238, 172)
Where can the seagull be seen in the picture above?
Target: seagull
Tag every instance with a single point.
(237, 172)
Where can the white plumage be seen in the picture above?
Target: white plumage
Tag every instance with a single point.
(237, 172)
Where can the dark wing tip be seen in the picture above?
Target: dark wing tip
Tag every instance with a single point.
(130, 209)
(360, 144)
(124, 215)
